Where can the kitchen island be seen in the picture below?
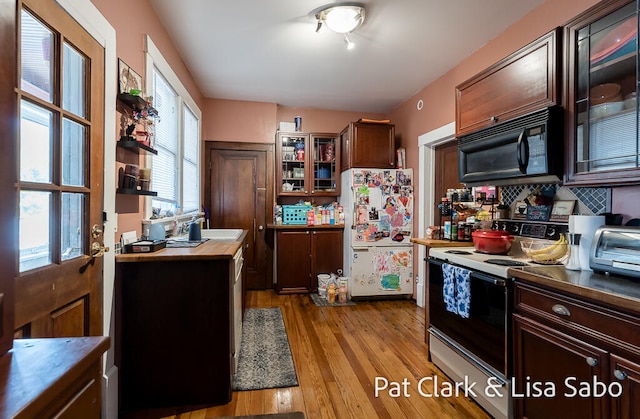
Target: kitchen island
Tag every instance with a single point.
(174, 337)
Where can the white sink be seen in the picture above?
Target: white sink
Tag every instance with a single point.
(221, 233)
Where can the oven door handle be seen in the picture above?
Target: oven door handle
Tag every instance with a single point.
(474, 274)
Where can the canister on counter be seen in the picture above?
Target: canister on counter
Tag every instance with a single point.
(461, 230)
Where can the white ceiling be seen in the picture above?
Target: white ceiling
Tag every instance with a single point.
(268, 50)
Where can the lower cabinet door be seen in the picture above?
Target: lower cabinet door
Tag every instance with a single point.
(326, 248)
(627, 373)
(293, 262)
(549, 369)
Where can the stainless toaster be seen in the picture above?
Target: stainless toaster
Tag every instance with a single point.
(616, 250)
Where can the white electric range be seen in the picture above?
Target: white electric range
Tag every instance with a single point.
(475, 344)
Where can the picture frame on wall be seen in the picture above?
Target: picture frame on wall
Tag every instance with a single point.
(519, 210)
(562, 210)
(128, 79)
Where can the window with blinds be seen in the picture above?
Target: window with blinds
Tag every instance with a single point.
(175, 173)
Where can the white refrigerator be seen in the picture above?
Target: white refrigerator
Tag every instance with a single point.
(378, 256)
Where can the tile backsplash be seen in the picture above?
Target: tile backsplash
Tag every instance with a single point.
(589, 200)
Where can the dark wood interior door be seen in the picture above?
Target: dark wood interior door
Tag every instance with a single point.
(446, 169)
(239, 194)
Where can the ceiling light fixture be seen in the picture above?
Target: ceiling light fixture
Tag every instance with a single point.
(342, 19)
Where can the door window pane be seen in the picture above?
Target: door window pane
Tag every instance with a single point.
(72, 225)
(73, 140)
(35, 143)
(36, 51)
(35, 244)
(73, 81)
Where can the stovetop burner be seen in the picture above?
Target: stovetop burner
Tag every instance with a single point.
(458, 252)
(505, 262)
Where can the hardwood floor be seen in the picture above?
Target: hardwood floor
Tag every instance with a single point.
(338, 353)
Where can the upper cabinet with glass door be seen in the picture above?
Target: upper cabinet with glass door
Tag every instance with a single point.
(602, 90)
(306, 164)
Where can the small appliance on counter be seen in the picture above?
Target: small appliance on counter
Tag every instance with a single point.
(145, 246)
(616, 250)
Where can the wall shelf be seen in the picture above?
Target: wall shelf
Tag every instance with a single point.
(124, 191)
(134, 145)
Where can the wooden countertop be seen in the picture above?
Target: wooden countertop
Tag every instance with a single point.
(614, 291)
(305, 227)
(440, 243)
(209, 250)
(34, 367)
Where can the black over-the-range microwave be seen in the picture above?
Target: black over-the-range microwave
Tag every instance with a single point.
(528, 149)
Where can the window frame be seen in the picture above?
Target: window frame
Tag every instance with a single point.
(155, 60)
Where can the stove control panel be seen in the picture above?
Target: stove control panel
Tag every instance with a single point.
(536, 230)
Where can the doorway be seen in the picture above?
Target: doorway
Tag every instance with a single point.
(427, 144)
(239, 194)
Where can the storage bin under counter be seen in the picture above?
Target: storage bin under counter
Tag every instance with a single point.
(173, 316)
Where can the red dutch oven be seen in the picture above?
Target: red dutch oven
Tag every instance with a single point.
(494, 242)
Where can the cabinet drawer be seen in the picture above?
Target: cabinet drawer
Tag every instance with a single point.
(588, 319)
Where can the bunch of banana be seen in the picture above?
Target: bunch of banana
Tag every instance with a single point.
(552, 252)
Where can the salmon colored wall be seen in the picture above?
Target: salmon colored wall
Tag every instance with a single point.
(625, 201)
(439, 96)
(242, 121)
(132, 21)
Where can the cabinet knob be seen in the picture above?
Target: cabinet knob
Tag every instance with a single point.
(620, 375)
(313, 191)
(591, 361)
(494, 119)
(561, 310)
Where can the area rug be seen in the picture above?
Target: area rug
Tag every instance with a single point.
(322, 302)
(265, 359)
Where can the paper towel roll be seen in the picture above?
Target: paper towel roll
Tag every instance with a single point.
(586, 226)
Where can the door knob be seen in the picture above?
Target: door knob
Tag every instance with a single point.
(98, 250)
(260, 228)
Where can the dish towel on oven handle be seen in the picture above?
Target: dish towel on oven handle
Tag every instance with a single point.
(463, 292)
(456, 289)
(449, 287)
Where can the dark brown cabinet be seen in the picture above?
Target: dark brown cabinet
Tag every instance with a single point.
(307, 164)
(164, 302)
(367, 145)
(589, 354)
(601, 94)
(53, 377)
(525, 81)
(302, 254)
